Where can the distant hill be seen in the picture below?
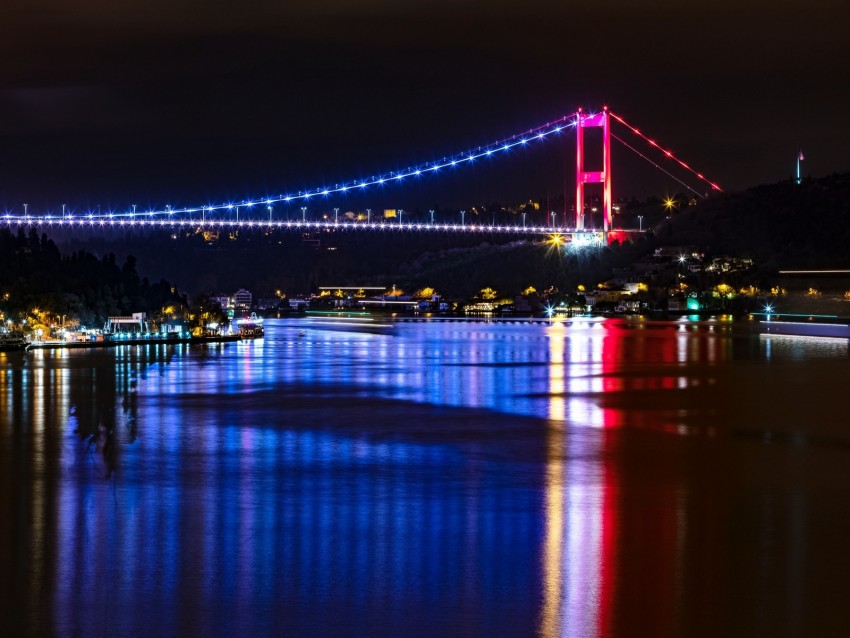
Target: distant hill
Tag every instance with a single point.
(782, 225)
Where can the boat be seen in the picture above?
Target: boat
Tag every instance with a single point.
(251, 327)
(12, 341)
(348, 322)
(805, 329)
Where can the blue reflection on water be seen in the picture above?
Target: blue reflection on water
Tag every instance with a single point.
(451, 479)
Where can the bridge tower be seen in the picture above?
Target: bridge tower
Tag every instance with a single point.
(603, 177)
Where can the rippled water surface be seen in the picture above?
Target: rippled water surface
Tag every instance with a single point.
(587, 478)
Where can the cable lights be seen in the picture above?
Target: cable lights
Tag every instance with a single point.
(538, 133)
(667, 153)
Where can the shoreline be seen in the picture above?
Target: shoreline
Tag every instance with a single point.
(112, 343)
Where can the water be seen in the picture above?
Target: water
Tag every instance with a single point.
(451, 479)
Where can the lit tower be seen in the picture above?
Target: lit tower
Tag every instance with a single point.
(593, 177)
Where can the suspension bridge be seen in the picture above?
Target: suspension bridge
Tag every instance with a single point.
(259, 213)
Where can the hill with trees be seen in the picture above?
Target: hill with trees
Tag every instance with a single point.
(784, 225)
(38, 283)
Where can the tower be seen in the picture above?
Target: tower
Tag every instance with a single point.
(603, 177)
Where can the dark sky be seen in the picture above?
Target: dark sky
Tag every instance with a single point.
(108, 103)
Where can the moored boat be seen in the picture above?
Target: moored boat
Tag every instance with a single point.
(250, 327)
(11, 341)
(805, 329)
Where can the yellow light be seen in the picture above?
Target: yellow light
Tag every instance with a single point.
(669, 203)
(556, 240)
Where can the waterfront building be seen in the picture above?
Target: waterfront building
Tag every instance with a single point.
(242, 299)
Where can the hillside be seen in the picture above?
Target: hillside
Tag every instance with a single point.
(780, 225)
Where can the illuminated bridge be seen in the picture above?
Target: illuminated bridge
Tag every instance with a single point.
(259, 213)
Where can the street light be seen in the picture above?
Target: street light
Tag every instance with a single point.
(270, 213)
(640, 222)
(400, 213)
(432, 216)
(336, 215)
(523, 220)
(368, 215)
(463, 218)
(304, 214)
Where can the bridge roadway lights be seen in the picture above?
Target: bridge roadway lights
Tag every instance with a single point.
(582, 237)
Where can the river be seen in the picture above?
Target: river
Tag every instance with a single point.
(581, 478)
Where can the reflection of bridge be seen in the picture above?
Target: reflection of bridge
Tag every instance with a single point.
(227, 215)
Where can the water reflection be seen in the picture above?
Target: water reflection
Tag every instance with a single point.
(576, 478)
(577, 557)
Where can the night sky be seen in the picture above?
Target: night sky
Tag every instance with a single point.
(154, 102)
